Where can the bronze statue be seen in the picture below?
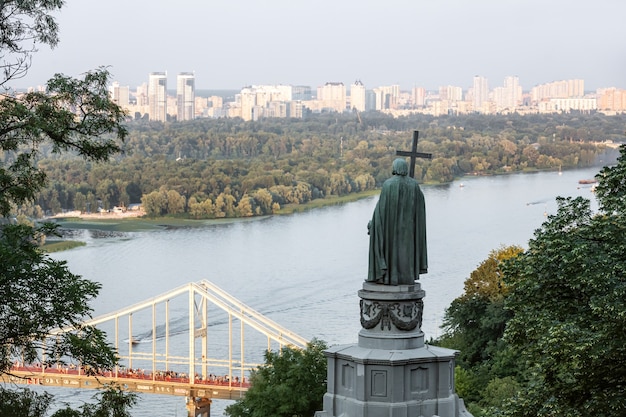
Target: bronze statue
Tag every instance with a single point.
(397, 231)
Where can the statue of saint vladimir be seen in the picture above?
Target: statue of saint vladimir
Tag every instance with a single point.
(397, 231)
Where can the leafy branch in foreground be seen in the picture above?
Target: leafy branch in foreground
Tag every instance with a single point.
(72, 115)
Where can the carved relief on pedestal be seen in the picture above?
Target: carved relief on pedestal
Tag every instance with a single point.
(403, 315)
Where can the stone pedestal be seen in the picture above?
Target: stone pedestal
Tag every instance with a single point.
(391, 372)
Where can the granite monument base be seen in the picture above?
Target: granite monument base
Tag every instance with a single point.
(391, 372)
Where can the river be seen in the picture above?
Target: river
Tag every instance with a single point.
(304, 270)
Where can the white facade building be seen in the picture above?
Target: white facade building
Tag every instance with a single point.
(481, 93)
(185, 96)
(357, 96)
(157, 96)
(332, 96)
(120, 94)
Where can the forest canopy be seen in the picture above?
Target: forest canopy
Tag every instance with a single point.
(211, 168)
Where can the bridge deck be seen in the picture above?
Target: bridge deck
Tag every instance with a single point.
(228, 390)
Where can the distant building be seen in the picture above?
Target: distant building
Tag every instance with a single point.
(513, 92)
(185, 96)
(332, 97)
(450, 93)
(301, 93)
(259, 101)
(418, 96)
(141, 95)
(480, 94)
(565, 105)
(612, 99)
(558, 89)
(357, 96)
(157, 96)
(120, 94)
(387, 97)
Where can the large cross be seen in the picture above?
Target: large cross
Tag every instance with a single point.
(414, 154)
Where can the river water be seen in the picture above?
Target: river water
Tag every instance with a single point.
(304, 270)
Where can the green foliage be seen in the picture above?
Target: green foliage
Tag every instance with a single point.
(110, 402)
(475, 323)
(298, 161)
(500, 390)
(542, 331)
(23, 402)
(611, 189)
(291, 383)
(39, 295)
(568, 299)
(23, 25)
(72, 115)
(43, 304)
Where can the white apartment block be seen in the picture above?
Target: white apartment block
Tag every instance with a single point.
(450, 93)
(185, 96)
(357, 96)
(508, 97)
(480, 93)
(387, 97)
(332, 96)
(418, 95)
(564, 105)
(253, 100)
(157, 96)
(120, 94)
(558, 89)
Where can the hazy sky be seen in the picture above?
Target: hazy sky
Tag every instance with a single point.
(233, 43)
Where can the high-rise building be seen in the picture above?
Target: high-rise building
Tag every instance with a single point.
(508, 97)
(512, 91)
(157, 96)
(332, 96)
(120, 94)
(263, 101)
(357, 96)
(558, 89)
(481, 92)
(418, 96)
(141, 95)
(185, 96)
(450, 93)
(301, 93)
(612, 99)
(387, 97)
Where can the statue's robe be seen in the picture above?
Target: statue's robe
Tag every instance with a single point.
(398, 233)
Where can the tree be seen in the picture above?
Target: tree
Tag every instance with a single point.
(291, 383)
(474, 323)
(568, 299)
(110, 402)
(40, 295)
(71, 116)
(23, 25)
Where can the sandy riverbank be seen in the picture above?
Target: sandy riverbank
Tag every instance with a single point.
(101, 215)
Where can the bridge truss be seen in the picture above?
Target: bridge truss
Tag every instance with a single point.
(182, 342)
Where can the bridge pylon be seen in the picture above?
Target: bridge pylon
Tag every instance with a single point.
(196, 341)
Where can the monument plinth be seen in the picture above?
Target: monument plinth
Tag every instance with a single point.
(391, 316)
(391, 372)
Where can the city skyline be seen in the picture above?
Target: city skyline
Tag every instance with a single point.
(229, 45)
(281, 101)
